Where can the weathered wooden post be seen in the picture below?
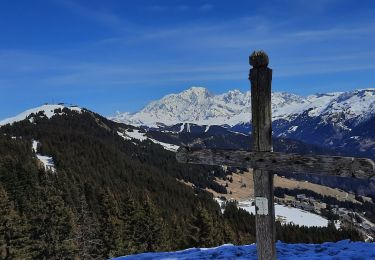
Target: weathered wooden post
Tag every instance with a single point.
(260, 77)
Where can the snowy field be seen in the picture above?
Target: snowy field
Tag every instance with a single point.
(340, 250)
(136, 134)
(291, 215)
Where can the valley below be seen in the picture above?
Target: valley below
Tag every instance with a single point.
(300, 209)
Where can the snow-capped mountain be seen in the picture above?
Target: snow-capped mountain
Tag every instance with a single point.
(197, 105)
(47, 110)
(339, 120)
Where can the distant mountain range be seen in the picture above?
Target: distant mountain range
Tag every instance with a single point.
(344, 120)
(197, 105)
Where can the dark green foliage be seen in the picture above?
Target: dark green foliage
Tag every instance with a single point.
(203, 228)
(86, 235)
(13, 240)
(293, 234)
(149, 229)
(51, 225)
(241, 221)
(111, 224)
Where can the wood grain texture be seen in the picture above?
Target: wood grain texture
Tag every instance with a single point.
(260, 78)
(261, 108)
(361, 168)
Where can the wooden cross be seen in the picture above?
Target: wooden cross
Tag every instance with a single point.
(265, 162)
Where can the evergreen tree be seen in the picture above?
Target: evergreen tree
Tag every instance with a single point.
(205, 226)
(87, 239)
(229, 235)
(51, 224)
(13, 240)
(150, 233)
(127, 216)
(193, 231)
(179, 234)
(111, 224)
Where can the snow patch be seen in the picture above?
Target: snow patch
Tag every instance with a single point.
(169, 147)
(290, 215)
(123, 136)
(48, 111)
(337, 224)
(47, 161)
(136, 134)
(35, 146)
(292, 129)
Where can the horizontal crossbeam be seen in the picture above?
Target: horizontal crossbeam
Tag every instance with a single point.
(281, 162)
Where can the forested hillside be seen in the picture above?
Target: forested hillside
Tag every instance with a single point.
(110, 196)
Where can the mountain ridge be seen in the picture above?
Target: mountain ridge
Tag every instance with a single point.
(338, 120)
(197, 105)
(48, 110)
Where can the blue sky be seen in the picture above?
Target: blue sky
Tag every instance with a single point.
(118, 55)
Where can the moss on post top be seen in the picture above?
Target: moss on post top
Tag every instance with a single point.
(258, 59)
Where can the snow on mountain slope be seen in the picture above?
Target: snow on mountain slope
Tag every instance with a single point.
(46, 161)
(291, 215)
(47, 110)
(355, 104)
(197, 105)
(192, 105)
(287, 215)
(136, 134)
(340, 250)
(320, 102)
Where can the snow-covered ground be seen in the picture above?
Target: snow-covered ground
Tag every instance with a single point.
(290, 215)
(340, 250)
(123, 135)
(169, 147)
(47, 161)
(48, 110)
(136, 134)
